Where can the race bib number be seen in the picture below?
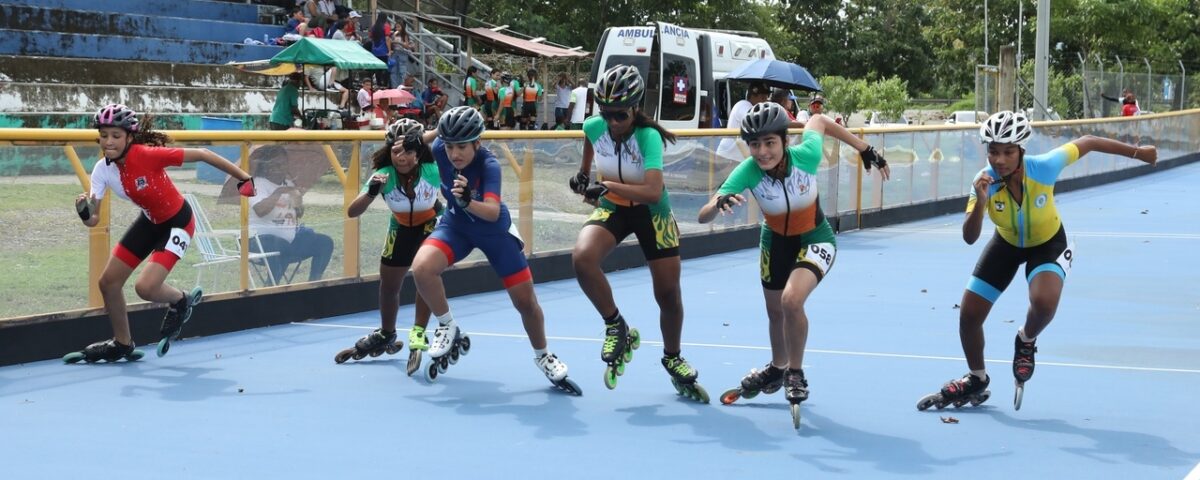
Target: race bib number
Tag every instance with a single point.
(1065, 259)
(178, 242)
(821, 255)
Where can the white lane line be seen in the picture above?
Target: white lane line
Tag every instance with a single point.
(811, 350)
(1195, 475)
(955, 231)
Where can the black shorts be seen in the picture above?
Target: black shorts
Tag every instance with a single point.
(402, 243)
(1000, 260)
(658, 239)
(779, 255)
(528, 109)
(167, 241)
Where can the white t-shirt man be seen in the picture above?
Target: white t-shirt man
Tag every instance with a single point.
(728, 147)
(579, 98)
(281, 221)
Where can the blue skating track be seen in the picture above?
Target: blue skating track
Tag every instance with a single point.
(1115, 394)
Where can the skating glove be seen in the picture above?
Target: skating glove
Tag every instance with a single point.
(594, 192)
(246, 187)
(870, 156)
(465, 198)
(579, 182)
(373, 187)
(725, 201)
(84, 209)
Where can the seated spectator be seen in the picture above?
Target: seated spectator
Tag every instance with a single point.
(276, 209)
(365, 95)
(294, 21)
(434, 100)
(350, 30)
(327, 82)
(314, 29)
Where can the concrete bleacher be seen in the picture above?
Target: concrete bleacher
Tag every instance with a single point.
(66, 57)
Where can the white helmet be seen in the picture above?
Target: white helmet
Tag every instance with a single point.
(1006, 127)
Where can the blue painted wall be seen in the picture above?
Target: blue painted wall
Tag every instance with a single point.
(50, 44)
(196, 9)
(20, 17)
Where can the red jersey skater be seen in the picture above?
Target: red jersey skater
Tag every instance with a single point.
(133, 168)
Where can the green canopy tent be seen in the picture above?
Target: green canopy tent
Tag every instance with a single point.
(342, 54)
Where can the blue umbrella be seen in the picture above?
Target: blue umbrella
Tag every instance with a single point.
(776, 73)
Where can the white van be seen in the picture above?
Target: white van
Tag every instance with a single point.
(684, 69)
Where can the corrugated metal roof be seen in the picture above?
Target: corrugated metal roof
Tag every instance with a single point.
(508, 43)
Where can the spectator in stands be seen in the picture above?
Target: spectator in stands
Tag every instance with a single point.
(287, 103)
(350, 29)
(562, 101)
(294, 21)
(314, 29)
(401, 52)
(277, 207)
(380, 44)
(319, 9)
(365, 95)
(578, 105)
(434, 100)
(327, 82)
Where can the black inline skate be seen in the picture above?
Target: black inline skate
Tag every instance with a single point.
(619, 343)
(960, 391)
(767, 380)
(177, 315)
(106, 350)
(683, 377)
(374, 344)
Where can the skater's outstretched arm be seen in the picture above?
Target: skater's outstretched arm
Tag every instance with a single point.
(823, 125)
(1091, 143)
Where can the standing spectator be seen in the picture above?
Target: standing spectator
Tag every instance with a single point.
(380, 41)
(562, 101)
(491, 103)
(783, 97)
(287, 103)
(506, 93)
(401, 53)
(533, 94)
(365, 95)
(815, 107)
(1129, 103)
(471, 88)
(277, 208)
(578, 105)
(758, 93)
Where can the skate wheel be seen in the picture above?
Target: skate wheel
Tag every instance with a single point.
(627, 356)
(135, 356)
(635, 339)
(343, 355)
(164, 346)
(454, 353)
(414, 361)
(73, 357)
(431, 373)
(796, 416)
(376, 353)
(359, 355)
(443, 364)
(701, 395)
(610, 377)
(730, 396)
(464, 344)
(620, 368)
(394, 348)
(678, 388)
(927, 401)
(1020, 392)
(748, 394)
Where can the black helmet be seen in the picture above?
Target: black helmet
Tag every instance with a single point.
(620, 86)
(460, 125)
(764, 118)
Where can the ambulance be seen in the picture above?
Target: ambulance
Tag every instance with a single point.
(684, 69)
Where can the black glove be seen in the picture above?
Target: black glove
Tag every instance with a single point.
(373, 187)
(725, 201)
(413, 142)
(465, 198)
(870, 156)
(84, 209)
(594, 191)
(579, 182)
